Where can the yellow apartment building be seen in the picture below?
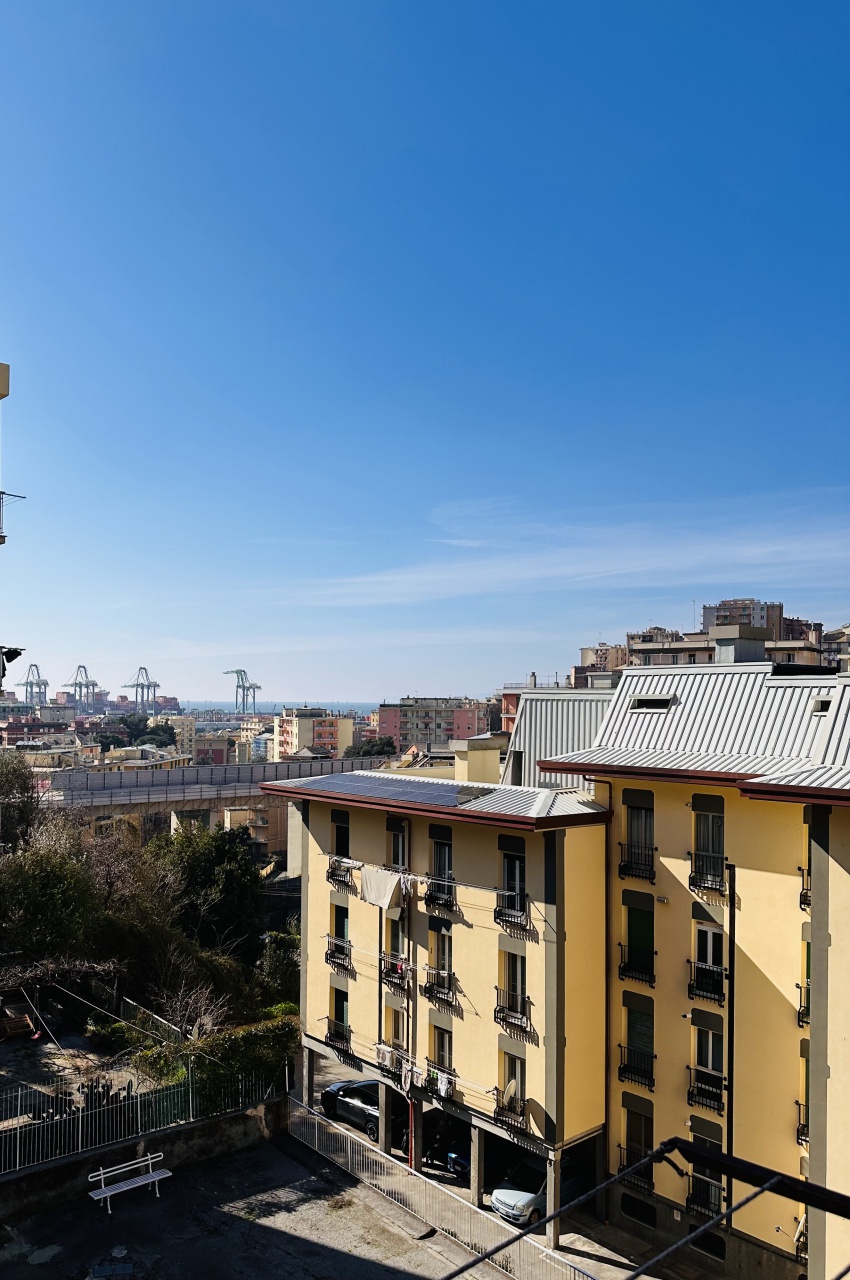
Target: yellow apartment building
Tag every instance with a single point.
(453, 940)
(721, 1028)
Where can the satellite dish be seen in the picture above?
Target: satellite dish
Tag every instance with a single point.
(510, 1090)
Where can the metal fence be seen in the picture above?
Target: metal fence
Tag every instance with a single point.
(71, 1114)
(434, 1204)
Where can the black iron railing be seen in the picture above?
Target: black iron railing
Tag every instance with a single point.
(338, 953)
(638, 862)
(708, 871)
(704, 1198)
(707, 982)
(395, 969)
(510, 1112)
(439, 1080)
(637, 1065)
(706, 1090)
(805, 888)
(801, 1248)
(637, 963)
(803, 1123)
(441, 892)
(804, 1012)
(338, 1035)
(641, 1179)
(439, 984)
(339, 875)
(512, 1008)
(511, 910)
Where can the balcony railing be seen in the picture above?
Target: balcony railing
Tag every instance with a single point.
(511, 1112)
(638, 862)
(338, 1035)
(801, 1250)
(339, 875)
(441, 892)
(641, 1179)
(708, 871)
(637, 963)
(637, 1065)
(338, 953)
(439, 985)
(511, 910)
(806, 888)
(706, 1090)
(395, 969)
(803, 1123)
(439, 1080)
(707, 982)
(804, 1012)
(512, 1009)
(704, 1198)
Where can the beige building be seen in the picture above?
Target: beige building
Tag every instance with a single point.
(184, 731)
(453, 940)
(301, 727)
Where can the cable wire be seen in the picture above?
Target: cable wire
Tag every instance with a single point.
(842, 1274)
(700, 1231)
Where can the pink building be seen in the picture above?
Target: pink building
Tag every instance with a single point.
(432, 722)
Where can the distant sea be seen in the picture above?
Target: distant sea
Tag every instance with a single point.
(266, 708)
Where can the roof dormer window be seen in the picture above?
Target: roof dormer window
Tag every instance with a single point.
(820, 706)
(651, 704)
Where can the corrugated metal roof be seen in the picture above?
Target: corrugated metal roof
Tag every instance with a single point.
(816, 777)
(551, 723)
(678, 761)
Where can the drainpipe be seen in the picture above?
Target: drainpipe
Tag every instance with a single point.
(730, 1048)
(602, 1201)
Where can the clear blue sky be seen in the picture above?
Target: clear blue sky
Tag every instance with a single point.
(388, 347)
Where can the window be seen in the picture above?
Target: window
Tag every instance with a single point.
(705, 1197)
(339, 833)
(396, 937)
(513, 1068)
(442, 1048)
(513, 878)
(640, 1032)
(709, 1046)
(651, 704)
(397, 831)
(709, 945)
(514, 974)
(442, 860)
(340, 1007)
(442, 952)
(341, 923)
(397, 1028)
(638, 1134)
(820, 706)
(709, 833)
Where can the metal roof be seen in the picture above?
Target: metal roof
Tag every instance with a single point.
(551, 722)
(448, 796)
(737, 719)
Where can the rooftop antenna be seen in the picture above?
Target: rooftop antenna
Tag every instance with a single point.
(14, 497)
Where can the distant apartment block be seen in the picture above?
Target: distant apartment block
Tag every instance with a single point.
(316, 727)
(657, 647)
(432, 721)
(184, 731)
(749, 612)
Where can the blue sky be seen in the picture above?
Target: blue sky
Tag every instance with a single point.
(386, 347)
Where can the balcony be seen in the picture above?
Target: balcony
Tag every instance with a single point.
(439, 985)
(805, 888)
(706, 1090)
(708, 871)
(439, 1080)
(339, 875)
(637, 861)
(801, 1251)
(513, 1010)
(803, 1123)
(636, 1065)
(511, 910)
(338, 953)
(707, 982)
(395, 970)
(510, 1112)
(637, 963)
(804, 1012)
(441, 893)
(641, 1179)
(704, 1198)
(338, 1035)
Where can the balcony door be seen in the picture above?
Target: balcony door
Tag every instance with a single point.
(513, 879)
(340, 1007)
(709, 946)
(443, 952)
(515, 977)
(442, 860)
(514, 1069)
(640, 828)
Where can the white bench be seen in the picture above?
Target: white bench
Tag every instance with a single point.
(146, 1175)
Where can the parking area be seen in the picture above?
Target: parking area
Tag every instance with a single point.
(273, 1210)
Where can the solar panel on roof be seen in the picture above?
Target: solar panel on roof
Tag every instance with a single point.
(445, 795)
